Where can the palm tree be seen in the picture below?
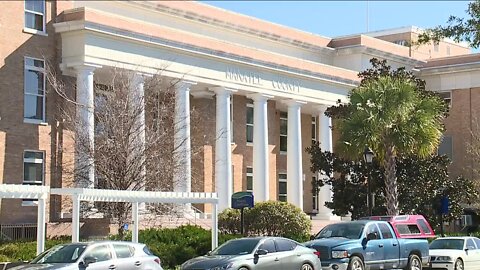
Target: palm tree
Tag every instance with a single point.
(392, 116)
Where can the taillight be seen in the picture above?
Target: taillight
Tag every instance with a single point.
(317, 253)
(157, 260)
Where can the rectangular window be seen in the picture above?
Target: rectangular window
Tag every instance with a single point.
(314, 130)
(249, 122)
(447, 96)
(282, 187)
(34, 89)
(446, 147)
(283, 131)
(314, 196)
(250, 179)
(33, 172)
(35, 16)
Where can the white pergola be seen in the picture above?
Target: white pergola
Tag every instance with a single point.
(41, 193)
(136, 197)
(30, 192)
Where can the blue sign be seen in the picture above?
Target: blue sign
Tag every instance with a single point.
(242, 199)
(444, 206)
(125, 227)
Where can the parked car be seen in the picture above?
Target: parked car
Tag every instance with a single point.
(455, 253)
(95, 256)
(376, 243)
(266, 253)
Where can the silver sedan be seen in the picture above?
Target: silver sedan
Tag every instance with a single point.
(95, 256)
(258, 253)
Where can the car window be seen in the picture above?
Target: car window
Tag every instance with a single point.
(61, 254)
(424, 226)
(285, 245)
(372, 228)
(147, 250)
(268, 245)
(447, 244)
(477, 241)
(237, 247)
(123, 251)
(470, 244)
(100, 253)
(385, 230)
(348, 230)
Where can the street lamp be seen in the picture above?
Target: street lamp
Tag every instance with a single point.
(368, 157)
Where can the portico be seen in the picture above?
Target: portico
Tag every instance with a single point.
(219, 73)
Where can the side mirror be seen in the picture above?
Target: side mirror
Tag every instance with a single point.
(88, 260)
(371, 236)
(261, 252)
(312, 237)
(209, 253)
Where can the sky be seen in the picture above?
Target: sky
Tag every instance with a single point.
(339, 18)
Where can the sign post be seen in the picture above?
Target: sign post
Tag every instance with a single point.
(241, 200)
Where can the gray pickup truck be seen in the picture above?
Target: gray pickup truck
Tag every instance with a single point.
(372, 244)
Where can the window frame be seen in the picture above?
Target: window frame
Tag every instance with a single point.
(314, 130)
(34, 202)
(451, 146)
(252, 125)
(44, 21)
(315, 206)
(27, 68)
(282, 180)
(283, 118)
(249, 174)
(232, 141)
(449, 98)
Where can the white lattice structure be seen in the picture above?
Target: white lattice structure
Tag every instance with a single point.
(40, 193)
(136, 197)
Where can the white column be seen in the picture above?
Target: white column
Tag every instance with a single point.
(75, 219)
(85, 128)
(214, 226)
(223, 151)
(182, 179)
(135, 222)
(294, 155)
(325, 134)
(137, 107)
(261, 183)
(41, 225)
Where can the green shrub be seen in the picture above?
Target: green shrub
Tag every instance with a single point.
(26, 251)
(268, 218)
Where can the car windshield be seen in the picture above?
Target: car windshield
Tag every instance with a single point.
(447, 244)
(61, 254)
(237, 247)
(350, 231)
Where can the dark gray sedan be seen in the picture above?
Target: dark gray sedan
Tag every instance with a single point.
(258, 253)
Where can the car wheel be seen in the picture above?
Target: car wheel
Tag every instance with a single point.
(459, 264)
(243, 268)
(414, 263)
(355, 263)
(307, 266)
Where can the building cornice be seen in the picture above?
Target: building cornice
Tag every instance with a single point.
(362, 49)
(455, 68)
(192, 49)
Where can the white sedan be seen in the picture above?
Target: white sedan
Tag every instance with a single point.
(455, 253)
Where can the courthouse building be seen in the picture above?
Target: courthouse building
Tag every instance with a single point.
(263, 88)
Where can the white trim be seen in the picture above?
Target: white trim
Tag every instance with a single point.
(34, 121)
(232, 141)
(44, 15)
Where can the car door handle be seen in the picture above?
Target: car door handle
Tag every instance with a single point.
(380, 245)
(112, 267)
(276, 259)
(395, 244)
(137, 263)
